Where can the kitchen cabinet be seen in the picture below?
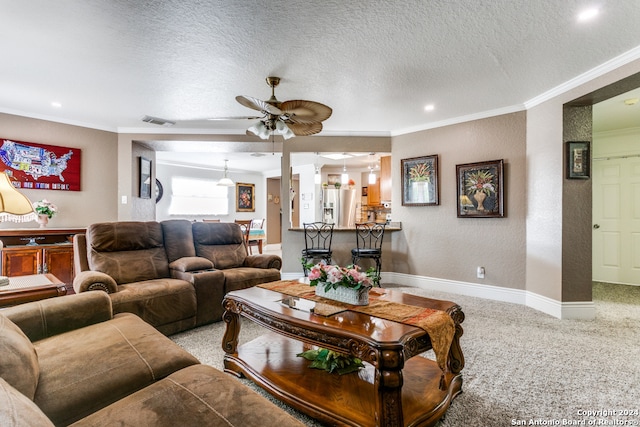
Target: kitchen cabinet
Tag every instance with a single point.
(373, 193)
(385, 179)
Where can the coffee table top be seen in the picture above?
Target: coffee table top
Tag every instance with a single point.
(278, 315)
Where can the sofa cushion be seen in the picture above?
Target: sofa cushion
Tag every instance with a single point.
(17, 410)
(178, 239)
(221, 243)
(18, 359)
(195, 396)
(246, 277)
(158, 302)
(84, 370)
(129, 251)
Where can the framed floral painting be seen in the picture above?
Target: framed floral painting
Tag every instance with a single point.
(420, 181)
(245, 195)
(480, 189)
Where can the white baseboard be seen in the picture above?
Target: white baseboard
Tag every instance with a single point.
(581, 310)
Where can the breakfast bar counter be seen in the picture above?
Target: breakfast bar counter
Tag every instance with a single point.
(344, 239)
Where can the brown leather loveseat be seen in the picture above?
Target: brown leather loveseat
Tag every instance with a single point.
(70, 361)
(173, 274)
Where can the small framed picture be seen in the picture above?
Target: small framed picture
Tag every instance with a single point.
(333, 179)
(245, 195)
(420, 181)
(145, 178)
(480, 189)
(578, 160)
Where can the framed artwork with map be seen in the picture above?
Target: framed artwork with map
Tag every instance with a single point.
(39, 166)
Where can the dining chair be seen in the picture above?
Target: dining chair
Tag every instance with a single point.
(317, 243)
(369, 237)
(245, 226)
(256, 224)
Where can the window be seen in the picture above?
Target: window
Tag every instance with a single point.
(192, 196)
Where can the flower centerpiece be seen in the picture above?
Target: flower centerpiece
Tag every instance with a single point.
(346, 284)
(45, 210)
(480, 185)
(45, 207)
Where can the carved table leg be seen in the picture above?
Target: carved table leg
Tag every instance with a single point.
(389, 382)
(456, 358)
(231, 333)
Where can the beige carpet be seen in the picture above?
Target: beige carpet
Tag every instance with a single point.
(521, 365)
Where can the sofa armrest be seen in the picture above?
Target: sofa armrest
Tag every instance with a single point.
(190, 263)
(209, 287)
(54, 316)
(263, 261)
(94, 281)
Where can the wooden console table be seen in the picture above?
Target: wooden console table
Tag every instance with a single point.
(29, 251)
(394, 389)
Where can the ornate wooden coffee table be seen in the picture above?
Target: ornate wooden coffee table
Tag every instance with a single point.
(394, 389)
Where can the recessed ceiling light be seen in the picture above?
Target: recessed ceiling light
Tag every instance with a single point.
(56, 104)
(588, 14)
(631, 101)
(429, 107)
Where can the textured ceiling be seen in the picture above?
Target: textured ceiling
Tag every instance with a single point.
(377, 63)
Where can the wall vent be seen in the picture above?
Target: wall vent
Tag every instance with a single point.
(157, 121)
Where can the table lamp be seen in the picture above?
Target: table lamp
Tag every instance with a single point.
(14, 207)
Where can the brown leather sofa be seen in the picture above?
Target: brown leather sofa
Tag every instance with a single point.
(70, 361)
(173, 274)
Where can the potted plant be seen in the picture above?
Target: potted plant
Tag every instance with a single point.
(45, 210)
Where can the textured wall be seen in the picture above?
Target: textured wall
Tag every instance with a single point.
(434, 242)
(97, 200)
(142, 209)
(576, 210)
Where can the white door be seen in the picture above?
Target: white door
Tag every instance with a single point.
(616, 220)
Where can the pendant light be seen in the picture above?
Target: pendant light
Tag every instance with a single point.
(344, 178)
(317, 178)
(372, 176)
(226, 181)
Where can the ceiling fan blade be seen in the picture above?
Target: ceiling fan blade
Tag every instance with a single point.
(236, 118)
(304, 129)
(301, 111)
(258, 104)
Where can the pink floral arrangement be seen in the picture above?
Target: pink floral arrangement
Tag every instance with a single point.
(332, 276)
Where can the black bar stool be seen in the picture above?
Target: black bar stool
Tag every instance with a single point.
(369, 245)
(317, 242)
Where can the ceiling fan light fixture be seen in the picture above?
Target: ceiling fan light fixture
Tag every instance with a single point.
(260, 130)
(296, 117)
(284, 130)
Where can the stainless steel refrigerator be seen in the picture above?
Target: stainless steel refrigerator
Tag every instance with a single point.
(339, 207)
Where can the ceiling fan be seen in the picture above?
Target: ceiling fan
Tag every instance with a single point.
(289, 118)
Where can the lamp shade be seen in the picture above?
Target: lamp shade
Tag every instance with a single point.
(226, 181)
(14, 206)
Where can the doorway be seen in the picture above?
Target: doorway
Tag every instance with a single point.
(616, 190)
(616, 218)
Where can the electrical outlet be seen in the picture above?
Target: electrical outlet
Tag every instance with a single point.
(480, 272)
